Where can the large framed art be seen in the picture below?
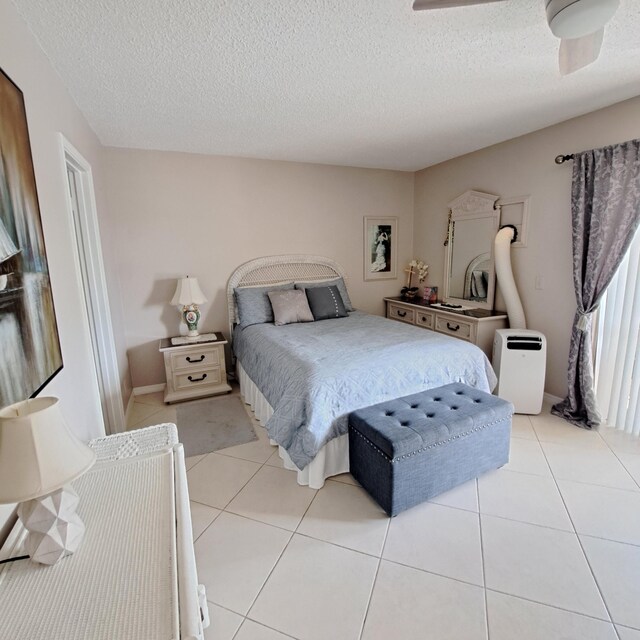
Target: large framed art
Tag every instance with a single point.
(380, 248)
(29, 345)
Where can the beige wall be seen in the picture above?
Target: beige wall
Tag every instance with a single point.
(182, 214)
(50, 110)
(525, 166)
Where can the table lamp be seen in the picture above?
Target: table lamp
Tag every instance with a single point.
(188, 295)
(39, 457)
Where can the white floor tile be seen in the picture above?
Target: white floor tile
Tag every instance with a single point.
(521, 427)
(512, 618)
(523, 497)
(439, 539)
(464, 496)
(617, 570)
(217, 479)
(317, 591)
(345, 515)
(234, 556)
(603, 512)
(156, 398)
(594, 466)
(550, 428)
(251, 630)
(626, 633)
(140, 412)
(620, 441)
(201, 517)
(631, 462)
(257, 451)
(545, 565)
(159, 416)
(275, 460)
(408, 604)
(224, 623)
(345, 478)
(526, 457)
(192, 461)
(273, 496)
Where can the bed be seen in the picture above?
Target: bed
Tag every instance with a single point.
(302, 380)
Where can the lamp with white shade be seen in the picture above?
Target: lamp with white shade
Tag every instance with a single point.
(188, 295)
(39, 457)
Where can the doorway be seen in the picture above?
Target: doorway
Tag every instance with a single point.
(82, 209)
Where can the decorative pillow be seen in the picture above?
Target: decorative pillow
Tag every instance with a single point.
(254, 306)
(290, 306)
(325, 303)
(338, 282)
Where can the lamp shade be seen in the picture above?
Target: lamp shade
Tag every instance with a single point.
(38, 452)
(188, 292)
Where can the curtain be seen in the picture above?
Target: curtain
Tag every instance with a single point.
(605, 213)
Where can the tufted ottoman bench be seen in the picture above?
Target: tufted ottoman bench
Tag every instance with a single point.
(408, 450)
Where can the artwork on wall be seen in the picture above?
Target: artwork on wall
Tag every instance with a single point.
(380, 248)
(29, 345)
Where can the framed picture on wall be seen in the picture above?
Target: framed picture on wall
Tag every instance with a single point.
(29, 345)
(380, 248)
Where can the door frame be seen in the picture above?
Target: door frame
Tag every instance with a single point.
(92, 277)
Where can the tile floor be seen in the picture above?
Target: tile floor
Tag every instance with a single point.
(547, 547)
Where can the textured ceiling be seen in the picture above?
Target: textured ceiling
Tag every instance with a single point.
(366, 83)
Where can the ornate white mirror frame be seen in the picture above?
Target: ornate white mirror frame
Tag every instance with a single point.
(473, 207)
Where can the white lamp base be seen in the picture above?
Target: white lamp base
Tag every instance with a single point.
(55, 530)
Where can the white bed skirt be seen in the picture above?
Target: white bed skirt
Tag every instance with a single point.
(331, 460)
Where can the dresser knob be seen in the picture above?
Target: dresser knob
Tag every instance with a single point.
(200, 359)
(204, 375)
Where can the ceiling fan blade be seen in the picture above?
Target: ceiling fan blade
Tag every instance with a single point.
(576, 53)
(421, 5)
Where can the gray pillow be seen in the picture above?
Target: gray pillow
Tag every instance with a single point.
(290, 306)
(254, 306)
(338, 282)
(325, 303)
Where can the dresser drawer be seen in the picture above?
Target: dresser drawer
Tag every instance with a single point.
(401, 313)
(454, 327)
(189, 379)
(202, 358)
(425, 319)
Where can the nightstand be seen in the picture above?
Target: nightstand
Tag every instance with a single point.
(195, 369)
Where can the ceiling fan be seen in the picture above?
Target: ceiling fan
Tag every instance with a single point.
(578, 23)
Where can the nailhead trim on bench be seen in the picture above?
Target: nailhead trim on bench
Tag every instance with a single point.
(431, 446)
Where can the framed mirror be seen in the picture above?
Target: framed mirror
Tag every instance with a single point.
(469, 274)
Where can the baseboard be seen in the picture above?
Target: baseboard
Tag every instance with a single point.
(129, 408)
(150, 388)
(551, 398)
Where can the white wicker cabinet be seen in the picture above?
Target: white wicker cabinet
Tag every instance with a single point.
(134, 577)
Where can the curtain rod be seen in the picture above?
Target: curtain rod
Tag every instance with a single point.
(561, 159)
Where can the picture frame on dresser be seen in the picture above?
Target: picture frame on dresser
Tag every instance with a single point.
(380, 248)
(29, 341)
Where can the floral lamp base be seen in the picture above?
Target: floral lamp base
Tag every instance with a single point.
(55, 530)
(191, 316)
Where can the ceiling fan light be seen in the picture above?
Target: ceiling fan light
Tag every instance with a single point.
(577, 18)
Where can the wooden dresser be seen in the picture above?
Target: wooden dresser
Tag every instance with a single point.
(477, 326)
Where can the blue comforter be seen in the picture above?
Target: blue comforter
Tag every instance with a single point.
(314, 374)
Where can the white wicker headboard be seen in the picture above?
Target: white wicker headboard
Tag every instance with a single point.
(277, 269)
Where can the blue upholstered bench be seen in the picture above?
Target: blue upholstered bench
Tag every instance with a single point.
(408, 450)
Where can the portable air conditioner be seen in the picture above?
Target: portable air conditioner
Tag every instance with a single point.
(519, 360)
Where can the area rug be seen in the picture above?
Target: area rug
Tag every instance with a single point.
(213, 424)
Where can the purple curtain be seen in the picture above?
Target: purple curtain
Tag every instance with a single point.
(605, 213)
